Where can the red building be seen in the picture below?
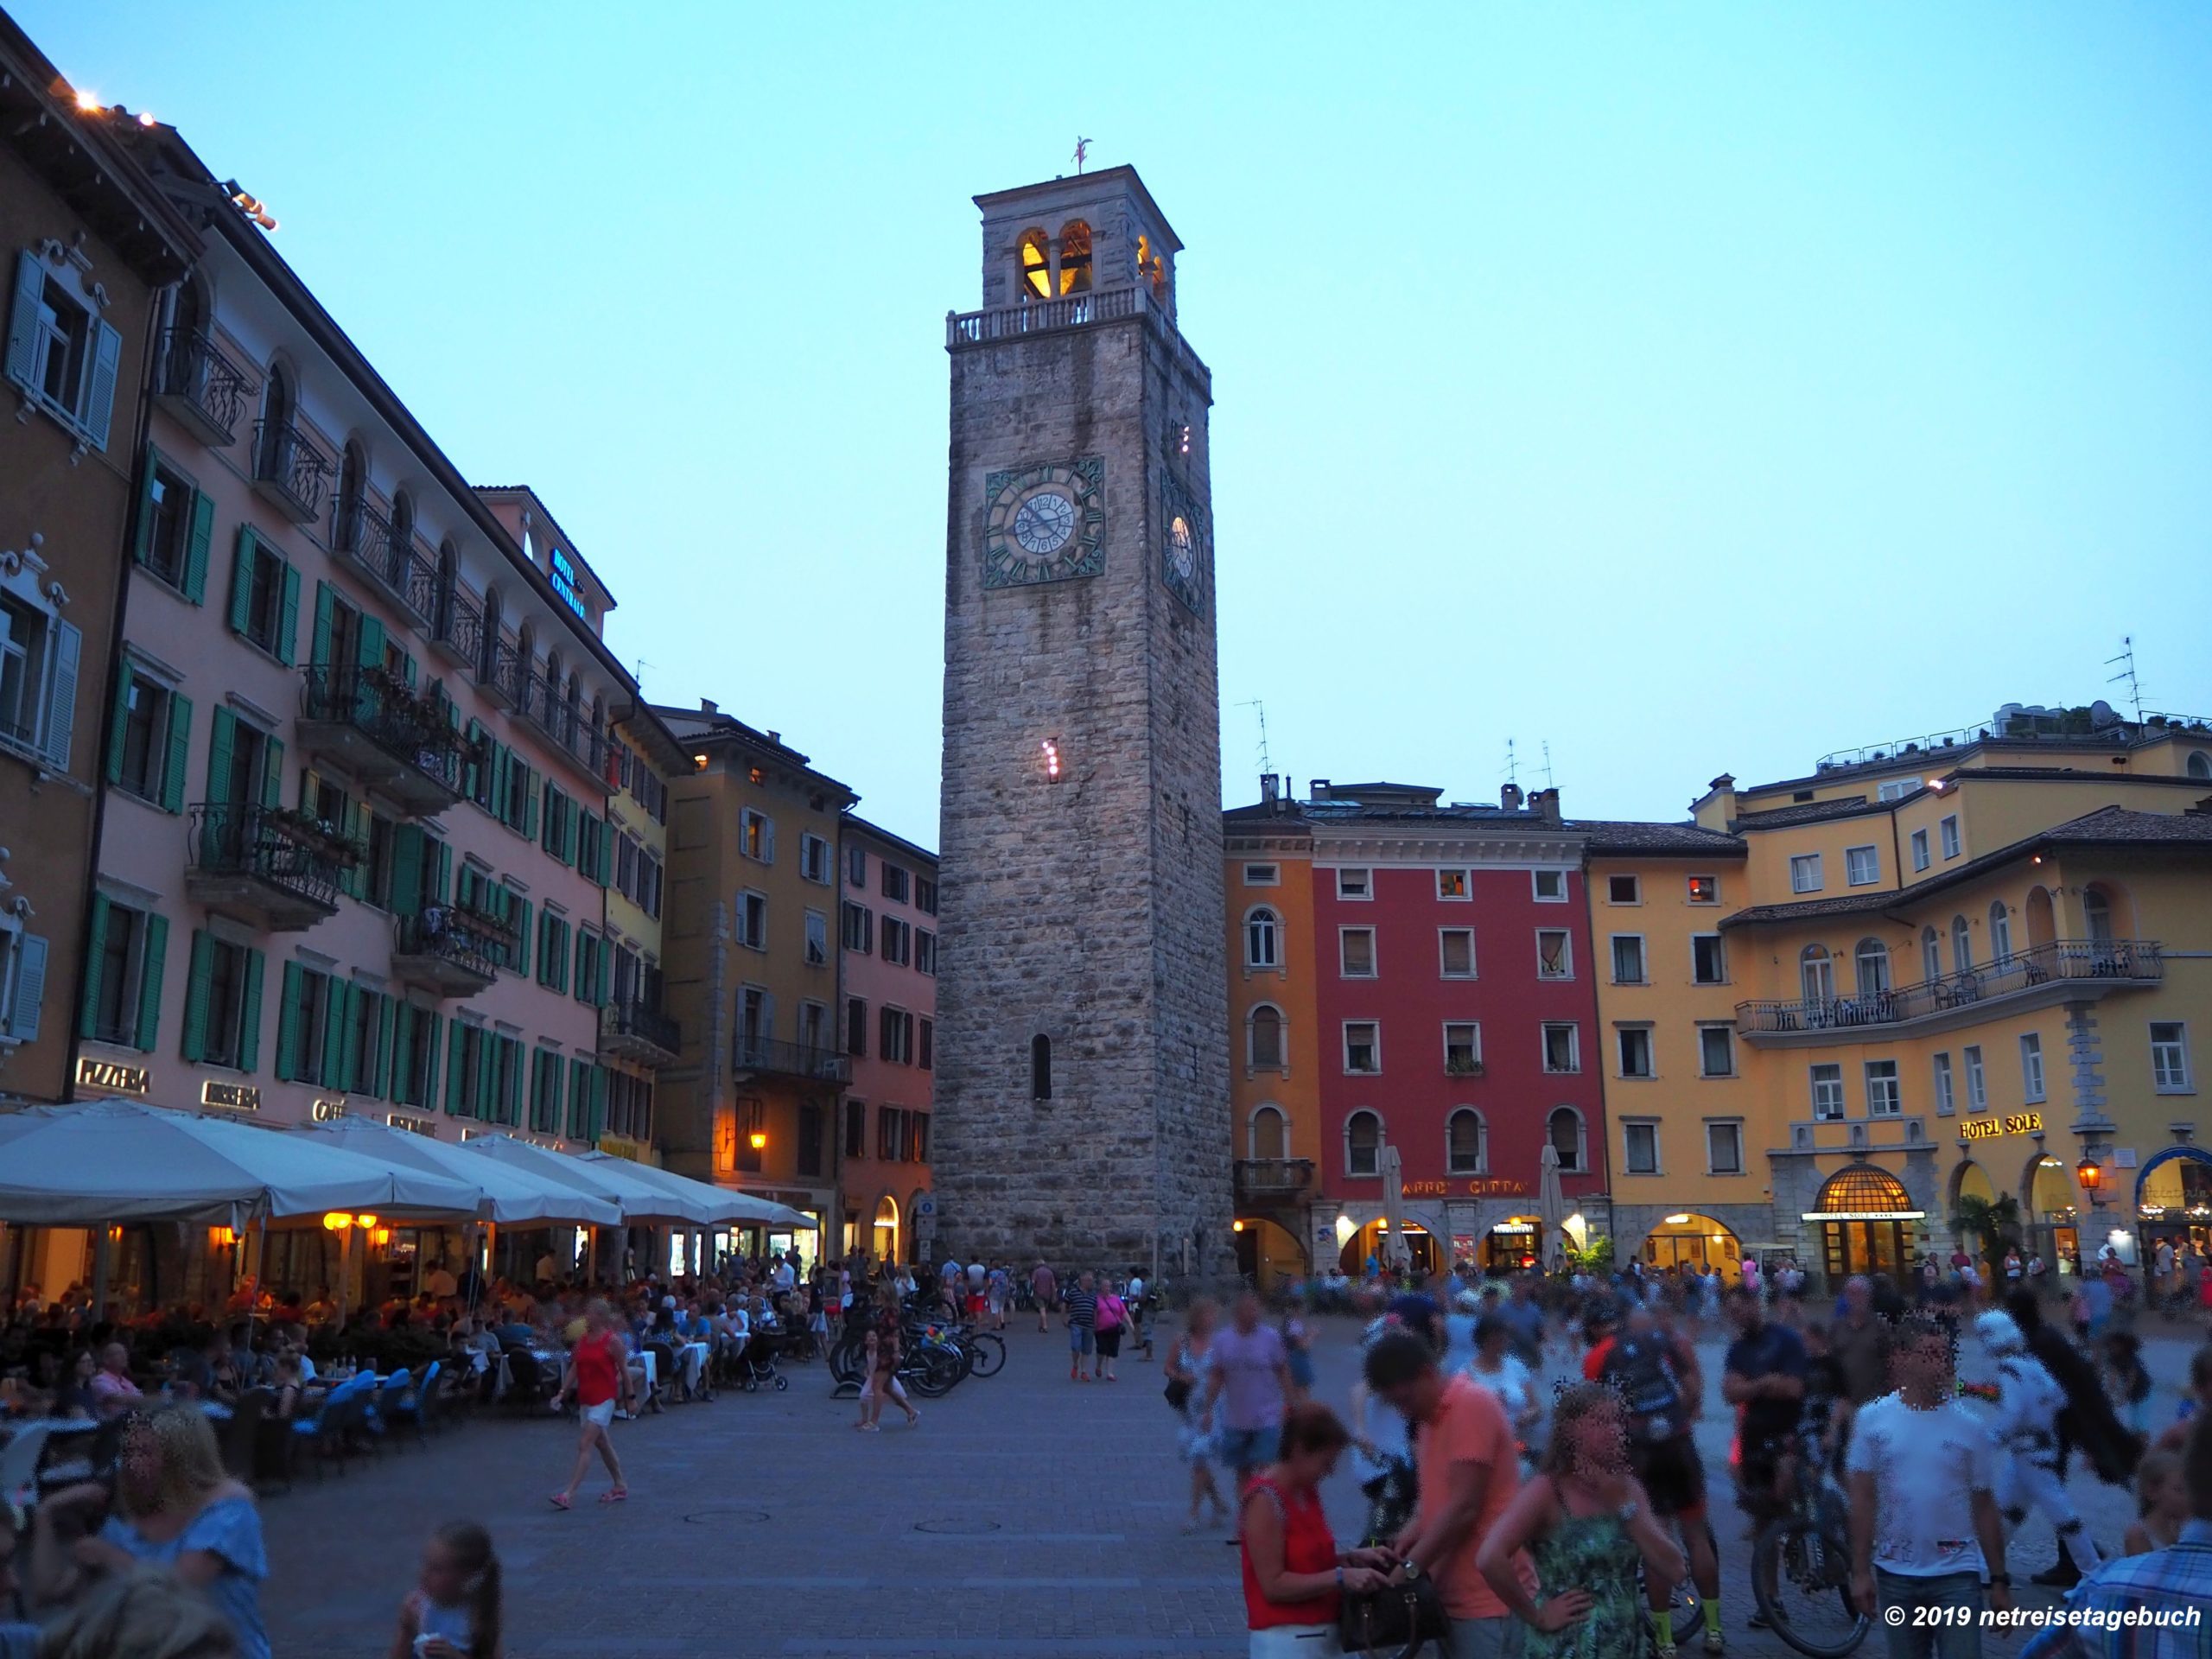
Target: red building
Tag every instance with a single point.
(1455, 997)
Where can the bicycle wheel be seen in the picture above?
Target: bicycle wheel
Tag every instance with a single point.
(989, 1350)
(1802, 1579)
(846, 1361)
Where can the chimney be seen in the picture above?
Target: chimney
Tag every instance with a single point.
(775, 737)
(1509, 796)
(1318, 789)
(1267, 789)
(709, 706)
(1546, 801)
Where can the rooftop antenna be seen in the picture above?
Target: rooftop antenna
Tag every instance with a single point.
(1512, 765)
(1082, 154)
(639, 673)
(2127, 675)
(1548, 782)
(1265, 764)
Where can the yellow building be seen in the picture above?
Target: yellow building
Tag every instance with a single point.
(1275, 1062)
(751, 966)
(636, 1036)
(1970, 965)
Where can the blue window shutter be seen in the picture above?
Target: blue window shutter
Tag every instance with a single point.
(118, 727)
(95, 956)
(98, 412)
(242, 559)
(598, 1102)
(288, 1025)
(288, 616)
(221, 741)
(22, 321)
(30, 988)
(149, 980)
(250, 1006)
(454, 1067)
(61, 696)
(195, 996)
(196, 548)
(325, 604)
(180, 755)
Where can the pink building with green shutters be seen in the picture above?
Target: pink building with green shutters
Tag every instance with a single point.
(355, 849)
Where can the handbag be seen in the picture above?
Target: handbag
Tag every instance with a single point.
(1394, 1619)
(1176, 1394)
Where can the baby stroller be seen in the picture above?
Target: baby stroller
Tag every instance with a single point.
(756, 1366)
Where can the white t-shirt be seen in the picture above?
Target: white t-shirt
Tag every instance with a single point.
(1927, 1465)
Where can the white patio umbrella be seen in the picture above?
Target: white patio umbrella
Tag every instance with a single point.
(1395, 1250)
(728, 1204)
(1551, 1207)
(514, 1197)
(614, 1180)
(113, 1160)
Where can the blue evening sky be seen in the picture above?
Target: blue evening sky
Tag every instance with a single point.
(1697, 387)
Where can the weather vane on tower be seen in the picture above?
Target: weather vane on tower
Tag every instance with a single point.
(1082, 153)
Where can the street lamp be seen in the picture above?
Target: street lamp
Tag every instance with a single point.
(2091, 1175)
(758, 1138)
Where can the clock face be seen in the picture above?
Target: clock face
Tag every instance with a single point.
(1045, 524)
(1185, 562)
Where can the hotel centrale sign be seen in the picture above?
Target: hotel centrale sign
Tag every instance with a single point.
(114, 1078)
(1989, 1129)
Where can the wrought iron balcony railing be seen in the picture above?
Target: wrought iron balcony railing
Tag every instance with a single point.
(290, 468)
(1261, 1180)
(279, 867)
(638, 1029)
(2127, 961)
(344, 701)
(201, 384)
(776, 1057)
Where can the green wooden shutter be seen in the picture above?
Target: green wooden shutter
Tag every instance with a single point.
(325, 602)
(572, 849)
(249, 1015)
(454, 1067)
(520, 909)
(221, 741)
(512, 1071)
(287, 1024)
(598, 1103)
(553, 1090)
(385, 1030)
(550, 840)
(502, 757)
(472, 767)
(141, 540)
(561, 961)
(196, 548)
(272, 772)
(605, 873)
(439, 882)
(179, 753)
(579, 1097)
(529, 825)
(288, 618)
(402, 1035)
(195, 996)
(370, 654)
(241, 580)
(95, 956)
(406, 870)
(118, 727)
(149, 980)
(430, 1025)
(337, 1027)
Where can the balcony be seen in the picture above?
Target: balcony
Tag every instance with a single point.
(291, 469)
(768, 1056)
(199, 384)
(2064, 971)
(375, 547)
(457, 631)
(500, 673)
(633, 1031)
(965, 330)
(275, 870)
(1261, 1182)
(380, 729)
(448, 950)
(582, 743)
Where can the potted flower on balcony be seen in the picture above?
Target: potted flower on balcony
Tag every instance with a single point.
(1462, 1066)
(318, 836)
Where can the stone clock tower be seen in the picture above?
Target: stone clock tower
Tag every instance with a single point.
(1082, 1087)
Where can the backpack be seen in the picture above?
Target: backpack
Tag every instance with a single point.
(1643, 1371)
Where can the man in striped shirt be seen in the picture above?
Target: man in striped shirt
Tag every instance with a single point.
(1082, 1304)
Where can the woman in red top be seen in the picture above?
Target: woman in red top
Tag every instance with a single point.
(1294, 1575)
(594, 1377)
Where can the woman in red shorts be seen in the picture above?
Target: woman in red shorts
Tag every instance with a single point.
(596, 1368)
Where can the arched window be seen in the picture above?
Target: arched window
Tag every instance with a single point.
(1262, 939)
(1871, 960)
(1565, 1130)
(571, 709)
(1269, 1135)
(1931, 954)
(526, 673)
(598, 728)
(1036, 266)
(549, 704)
(278, 401)
(487, 660)
(2096, 912)
(1040, 1067)
(1816, 973)
(2000, 934)
(1263, 1048)
(1363, 1143)
(1075, 258)
(2200, 764)
(1462, 1142)
(353, 471)
(1961, 946)
(449, 589)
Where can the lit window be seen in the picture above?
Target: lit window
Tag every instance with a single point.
(1705, 889)
(1451, 884)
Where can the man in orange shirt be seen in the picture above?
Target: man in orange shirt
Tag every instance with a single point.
(1468, 1474)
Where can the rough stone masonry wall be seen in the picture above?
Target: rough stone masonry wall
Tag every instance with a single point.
(1050, 894)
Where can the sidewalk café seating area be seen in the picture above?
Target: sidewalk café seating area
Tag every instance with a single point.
(297, 1389)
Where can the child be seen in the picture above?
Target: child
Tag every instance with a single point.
(2128, 1381)
(1298, 1354)
(2161, 1503)
(454, 1611)
(287, 1403)
(2199, 1396)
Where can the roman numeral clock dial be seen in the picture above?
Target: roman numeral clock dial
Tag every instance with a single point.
(1045, 524)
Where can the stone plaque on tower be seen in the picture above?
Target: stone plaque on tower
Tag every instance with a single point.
(1082, 1086)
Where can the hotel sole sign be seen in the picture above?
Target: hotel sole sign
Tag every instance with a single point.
(1990, 1128)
